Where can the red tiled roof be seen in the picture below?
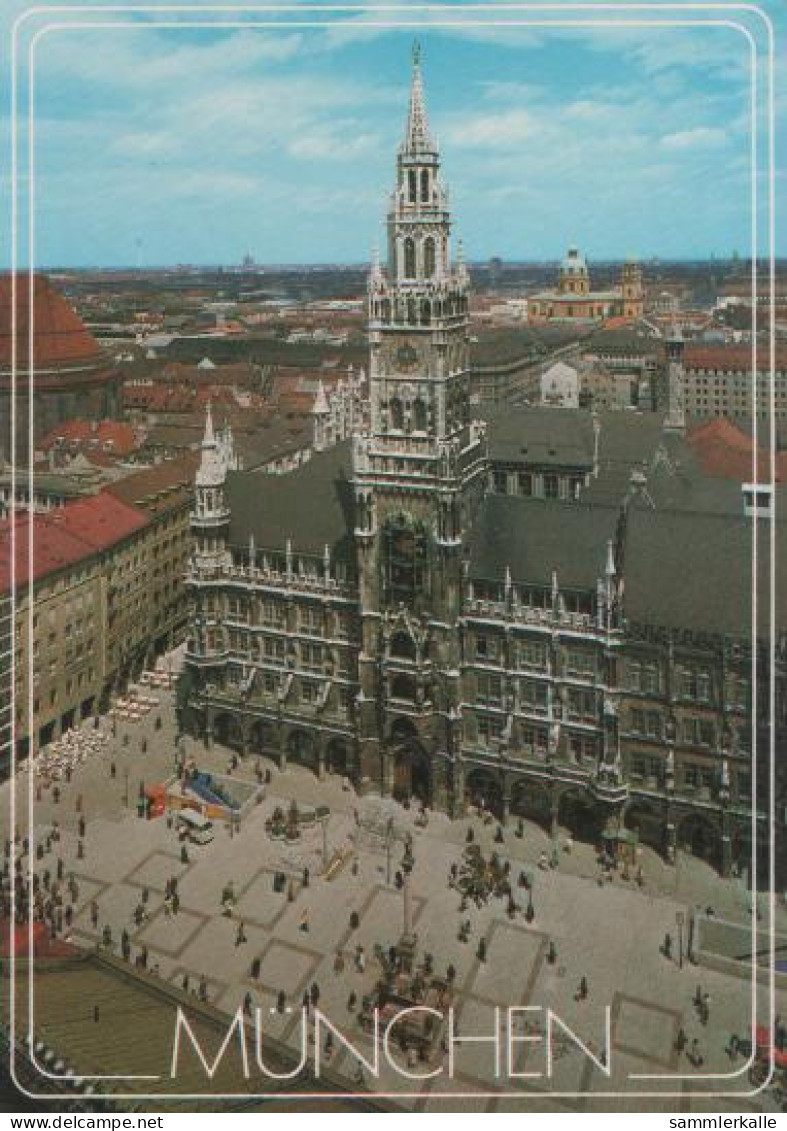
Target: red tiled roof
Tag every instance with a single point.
(731, 357)
(113, 435)
(63, 537)
(726, 452)
(167, 484)
(60, 339)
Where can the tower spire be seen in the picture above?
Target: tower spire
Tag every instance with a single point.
(417, 137)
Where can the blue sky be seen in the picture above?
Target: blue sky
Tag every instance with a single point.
(160, 146)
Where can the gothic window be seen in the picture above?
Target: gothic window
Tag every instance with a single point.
(397, 413)
(419, 415)
(412, 186)
(425, 185)
(386, 310)
(412, 317)
(426, 312)
(409, 258)
(405, 561)
(429, 257)
(403, 645)
(403, 687)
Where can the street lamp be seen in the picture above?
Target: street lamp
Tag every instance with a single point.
(679, 919)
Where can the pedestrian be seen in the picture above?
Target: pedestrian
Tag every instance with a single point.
(184, 854)
(240, 936)
(705, 1010)
(667, 946)
(583, 988)
(681, 1040)
(305, 877)
(96, 1014)
(551, 953)
(352, 1001)
(733, 1047)
(185, 983)
(79, 803)
(82, 827)
(281, 1001)
(255, 967)
(94, 914)
(113, 769)
(338, 962)
(481, 952)
(247, 1003)
(175, 903)
(80, 850)
(303, 922)
(314, 994)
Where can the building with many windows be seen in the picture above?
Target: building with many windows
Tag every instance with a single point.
(547, 610)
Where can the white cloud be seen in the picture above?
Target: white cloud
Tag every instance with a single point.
(703, 137)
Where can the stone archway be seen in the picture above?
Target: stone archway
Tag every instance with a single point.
(532, 800)
(483, 789)
(412, 770)
(578, 813)
(647, 822)
(264, 738)
(302, 749)
(226, 729)
(697, 835)
(337, 757)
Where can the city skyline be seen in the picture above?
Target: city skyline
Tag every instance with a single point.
(148, 154)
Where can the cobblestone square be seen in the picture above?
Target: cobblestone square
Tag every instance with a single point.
(611, 936)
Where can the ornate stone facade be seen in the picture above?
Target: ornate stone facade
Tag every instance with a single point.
(457, 609)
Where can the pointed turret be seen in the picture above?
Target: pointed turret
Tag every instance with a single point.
(212, 469)
(417, 139)
(321, 412)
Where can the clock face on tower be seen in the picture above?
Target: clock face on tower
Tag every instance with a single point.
(406, 358)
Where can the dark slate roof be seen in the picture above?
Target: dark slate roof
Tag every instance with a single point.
(694, 571)
(627, 442)
(536, 536)
(621, 339)
(313, 506)
(561, 437)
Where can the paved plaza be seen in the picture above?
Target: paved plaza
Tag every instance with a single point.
(610, 935)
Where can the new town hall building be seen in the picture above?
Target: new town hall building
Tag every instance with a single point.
(548, 610)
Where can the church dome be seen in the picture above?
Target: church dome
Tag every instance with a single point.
(574, 262)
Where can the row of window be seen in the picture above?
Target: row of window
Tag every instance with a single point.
(306, 690)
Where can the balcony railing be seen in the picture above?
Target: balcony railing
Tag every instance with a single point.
(256, 575)
(527, 614)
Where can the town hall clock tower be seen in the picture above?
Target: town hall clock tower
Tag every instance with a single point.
(417, 475)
